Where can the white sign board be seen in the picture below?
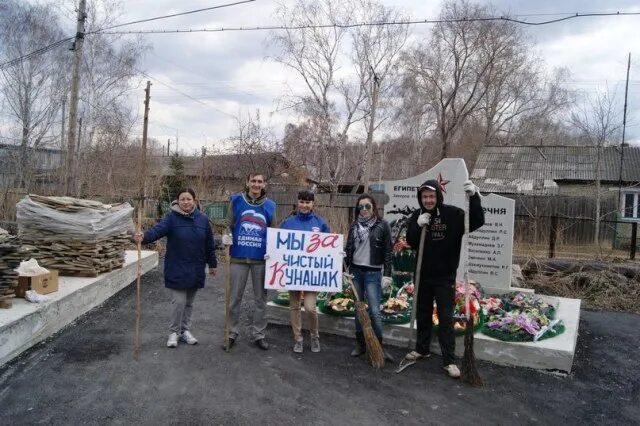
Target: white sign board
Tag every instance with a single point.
(491, 246)
(302, 260)
(490, 259)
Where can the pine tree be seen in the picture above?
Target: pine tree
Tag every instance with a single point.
(175, 181)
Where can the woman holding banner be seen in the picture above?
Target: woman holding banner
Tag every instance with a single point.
(304, 219)
(369, 253)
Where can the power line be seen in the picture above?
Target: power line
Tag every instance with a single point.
(175, 14)
(373, 24)
(60, 42)
(40, 51)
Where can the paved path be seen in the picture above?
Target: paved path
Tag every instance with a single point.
(86, 374)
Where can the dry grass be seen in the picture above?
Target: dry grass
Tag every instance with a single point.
(598, 289)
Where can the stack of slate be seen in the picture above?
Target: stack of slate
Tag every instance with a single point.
(74, 236)
(9, 260)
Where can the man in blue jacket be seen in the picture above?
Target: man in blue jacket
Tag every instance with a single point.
(250, 214)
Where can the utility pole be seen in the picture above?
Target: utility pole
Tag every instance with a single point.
(64, 102)
(168, 147)
(374, 100)
(70, 167)
(144, 143)
(624, 128)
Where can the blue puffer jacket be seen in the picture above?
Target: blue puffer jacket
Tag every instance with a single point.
(190, 247)
(305, 222)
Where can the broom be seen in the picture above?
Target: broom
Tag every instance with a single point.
(469, 373)
(374, 348)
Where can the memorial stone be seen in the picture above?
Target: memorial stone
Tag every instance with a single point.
(490, 247)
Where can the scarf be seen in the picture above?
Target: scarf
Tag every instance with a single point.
(363, 226)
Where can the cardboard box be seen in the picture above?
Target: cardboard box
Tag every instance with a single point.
(43, 283)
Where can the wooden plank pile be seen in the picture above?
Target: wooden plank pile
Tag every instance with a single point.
(10, 258)
(74, 236)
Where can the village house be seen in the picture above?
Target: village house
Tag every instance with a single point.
(569, 171)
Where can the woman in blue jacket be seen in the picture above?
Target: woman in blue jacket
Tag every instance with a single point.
(304, 220)
(190, 247)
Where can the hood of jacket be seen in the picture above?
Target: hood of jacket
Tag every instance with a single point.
(176, 208)
(433, 185)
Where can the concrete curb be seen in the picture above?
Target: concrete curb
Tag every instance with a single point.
(26, 324)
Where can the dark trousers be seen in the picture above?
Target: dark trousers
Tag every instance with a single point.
(444, 295)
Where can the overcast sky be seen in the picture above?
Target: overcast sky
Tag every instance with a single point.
(230, 73)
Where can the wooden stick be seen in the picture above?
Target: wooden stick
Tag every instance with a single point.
(136, 346)
(143, 172)
(416, 283)
(227, 300)
(469, 371)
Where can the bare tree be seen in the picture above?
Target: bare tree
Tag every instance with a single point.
(518, 93)
(32, 88)
(481, 71)
(598, 122)
(331, 105)
(377, 51)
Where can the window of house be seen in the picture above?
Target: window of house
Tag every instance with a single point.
(630, 209)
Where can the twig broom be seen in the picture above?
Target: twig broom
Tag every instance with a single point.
(374, 348)
(469, 373)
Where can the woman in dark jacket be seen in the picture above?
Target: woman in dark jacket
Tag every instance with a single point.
(190, 247)
(368, 256)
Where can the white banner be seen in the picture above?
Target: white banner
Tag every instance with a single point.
(302, 260)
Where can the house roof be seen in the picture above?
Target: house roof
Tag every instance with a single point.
(537, 169)
(228, 166)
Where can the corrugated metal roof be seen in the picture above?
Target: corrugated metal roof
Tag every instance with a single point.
(535, 169)
(556, 163)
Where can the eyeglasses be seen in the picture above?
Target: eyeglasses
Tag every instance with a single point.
(364, 206)
(256, 181)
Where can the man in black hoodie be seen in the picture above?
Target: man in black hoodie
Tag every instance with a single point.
(444, 225)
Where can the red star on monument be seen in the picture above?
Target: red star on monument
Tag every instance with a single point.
(442, 182)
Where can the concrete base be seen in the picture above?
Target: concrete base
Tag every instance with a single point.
(26, 324)
(551, 354)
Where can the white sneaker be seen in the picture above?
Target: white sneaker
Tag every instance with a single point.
(452, 370)
(173, 340)
(188, 338)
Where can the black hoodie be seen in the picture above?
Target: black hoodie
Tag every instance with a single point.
(444, 235)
